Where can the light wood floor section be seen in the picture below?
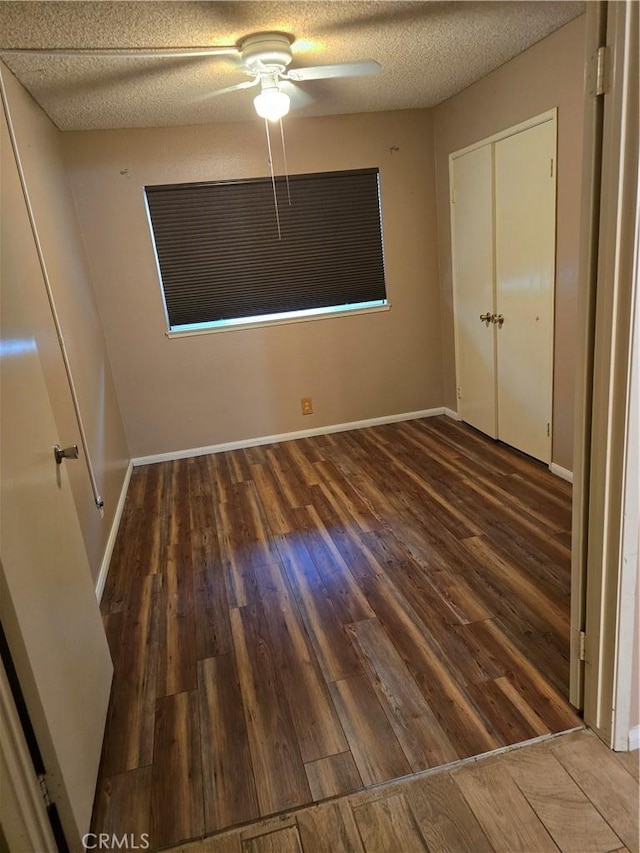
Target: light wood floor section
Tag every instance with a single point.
(295, 622)
(569, 793)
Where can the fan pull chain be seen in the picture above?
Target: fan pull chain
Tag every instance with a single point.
(284, 157)
(273, 178)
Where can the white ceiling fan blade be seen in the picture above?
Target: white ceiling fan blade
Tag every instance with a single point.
(246, 84)
(341, 69)
(299, 98)
(122, 53)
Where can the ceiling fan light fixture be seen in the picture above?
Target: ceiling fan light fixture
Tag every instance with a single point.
(272, 104)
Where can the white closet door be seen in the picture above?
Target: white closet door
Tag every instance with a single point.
(525, 264)
(472, 253)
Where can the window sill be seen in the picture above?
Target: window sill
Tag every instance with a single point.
(277, 319)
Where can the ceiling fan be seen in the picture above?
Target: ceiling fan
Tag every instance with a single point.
(265, 57)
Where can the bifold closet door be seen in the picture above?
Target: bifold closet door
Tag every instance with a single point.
(473, 274)
(525, 201)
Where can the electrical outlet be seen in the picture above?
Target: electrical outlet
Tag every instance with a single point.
(306, 405)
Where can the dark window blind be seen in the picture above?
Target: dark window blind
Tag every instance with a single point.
(220, 257)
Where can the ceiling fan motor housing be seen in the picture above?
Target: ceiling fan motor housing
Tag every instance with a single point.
(266, 53)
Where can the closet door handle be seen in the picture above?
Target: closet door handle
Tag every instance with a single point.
(61, 453)
(487, 318)
(499, 319)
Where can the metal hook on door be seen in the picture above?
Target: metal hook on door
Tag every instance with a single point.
(498, 319)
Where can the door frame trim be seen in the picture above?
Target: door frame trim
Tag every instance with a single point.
(21, 786)
(604, 577)
(596, 22)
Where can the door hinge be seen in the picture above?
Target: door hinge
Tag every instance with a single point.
(459, 392)
(42, 781)
(602, 68)
(551, 169)
(549, 430)
(582, 646)
(453, 196)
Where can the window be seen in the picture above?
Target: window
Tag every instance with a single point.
(222, 263)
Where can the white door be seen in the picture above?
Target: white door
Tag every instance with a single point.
(503, 254)
(48, 605)
(473, 275)
(525, 230)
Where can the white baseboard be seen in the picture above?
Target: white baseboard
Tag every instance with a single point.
(634, 738)
(111, 541)
(561, 472)
(287, 436)
(451, 413)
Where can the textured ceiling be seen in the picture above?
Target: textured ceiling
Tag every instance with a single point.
(429, 51)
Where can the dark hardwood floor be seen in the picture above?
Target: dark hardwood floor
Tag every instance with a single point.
(296, 621)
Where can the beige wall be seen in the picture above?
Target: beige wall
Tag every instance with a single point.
(191, 392)
(549, 74)
(39, 143)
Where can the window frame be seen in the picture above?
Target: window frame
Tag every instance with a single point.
(274, 318)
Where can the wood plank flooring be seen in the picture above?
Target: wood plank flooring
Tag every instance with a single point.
(528, 799)
(306, 619)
